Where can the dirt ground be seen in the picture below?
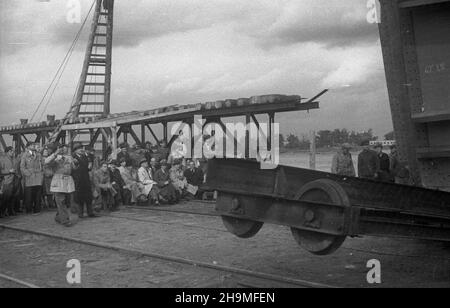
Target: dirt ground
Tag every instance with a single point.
(42, 261)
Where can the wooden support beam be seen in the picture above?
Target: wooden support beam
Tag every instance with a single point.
(86, 126)
(259, 127)
(17, 147)
(104, 147)
(3, 143)
(45, 136)
(270, 133)
(114, 140)
(165, 131)
(119, 132)
(104, 133)
(134, 136)
(71, 136)
(21, 144)
(24, 137)
(228, 135)
(153, 133)
(94, 138)
(247, 136)
(61, 137)
(143, 134)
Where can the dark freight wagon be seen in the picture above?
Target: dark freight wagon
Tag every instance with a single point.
(415, 39)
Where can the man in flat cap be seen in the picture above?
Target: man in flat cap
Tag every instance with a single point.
(32, 169)
(343, 162)
(383, 158)
(368, 162)
(62, 185)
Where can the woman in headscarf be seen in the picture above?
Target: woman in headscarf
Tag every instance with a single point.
(151, 190)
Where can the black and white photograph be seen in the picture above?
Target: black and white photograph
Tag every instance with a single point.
(224, 150)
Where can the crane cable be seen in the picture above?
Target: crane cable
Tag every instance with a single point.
(61, 68)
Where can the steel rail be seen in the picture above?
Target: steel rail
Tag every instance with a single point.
(113, 215)
(172, 211)
(18, 281)
(220, 268)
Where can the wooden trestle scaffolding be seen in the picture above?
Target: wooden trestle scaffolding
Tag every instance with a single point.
(137, 125)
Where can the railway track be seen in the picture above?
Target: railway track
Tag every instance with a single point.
(213, 214)
(264, 279)
(171, 210)
(116, 216)
(18, 282)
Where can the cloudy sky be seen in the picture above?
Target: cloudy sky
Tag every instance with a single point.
(186, 51)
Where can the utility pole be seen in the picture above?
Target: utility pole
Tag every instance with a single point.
(312, 150)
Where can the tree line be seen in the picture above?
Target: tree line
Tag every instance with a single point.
(330, 138)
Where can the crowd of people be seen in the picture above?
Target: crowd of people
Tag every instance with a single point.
(150, 175)
(82, 183)
(373, 164)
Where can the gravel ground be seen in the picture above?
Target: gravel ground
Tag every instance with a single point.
(40, 260)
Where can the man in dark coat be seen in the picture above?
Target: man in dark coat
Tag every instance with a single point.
(194, 177)
(31, 167)
(368, 162)
(384, 173)
(9, 182)
(118, 184)
(82, 179)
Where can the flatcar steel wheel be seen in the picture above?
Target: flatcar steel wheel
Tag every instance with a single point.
(242, 228)
(325, 191)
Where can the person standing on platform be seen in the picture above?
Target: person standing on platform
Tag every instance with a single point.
(48, 177)
(343, 162)
(62, 185)
(31, 167)
(384, 173)
(368, 162)
(83, 186)
(9, 186)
